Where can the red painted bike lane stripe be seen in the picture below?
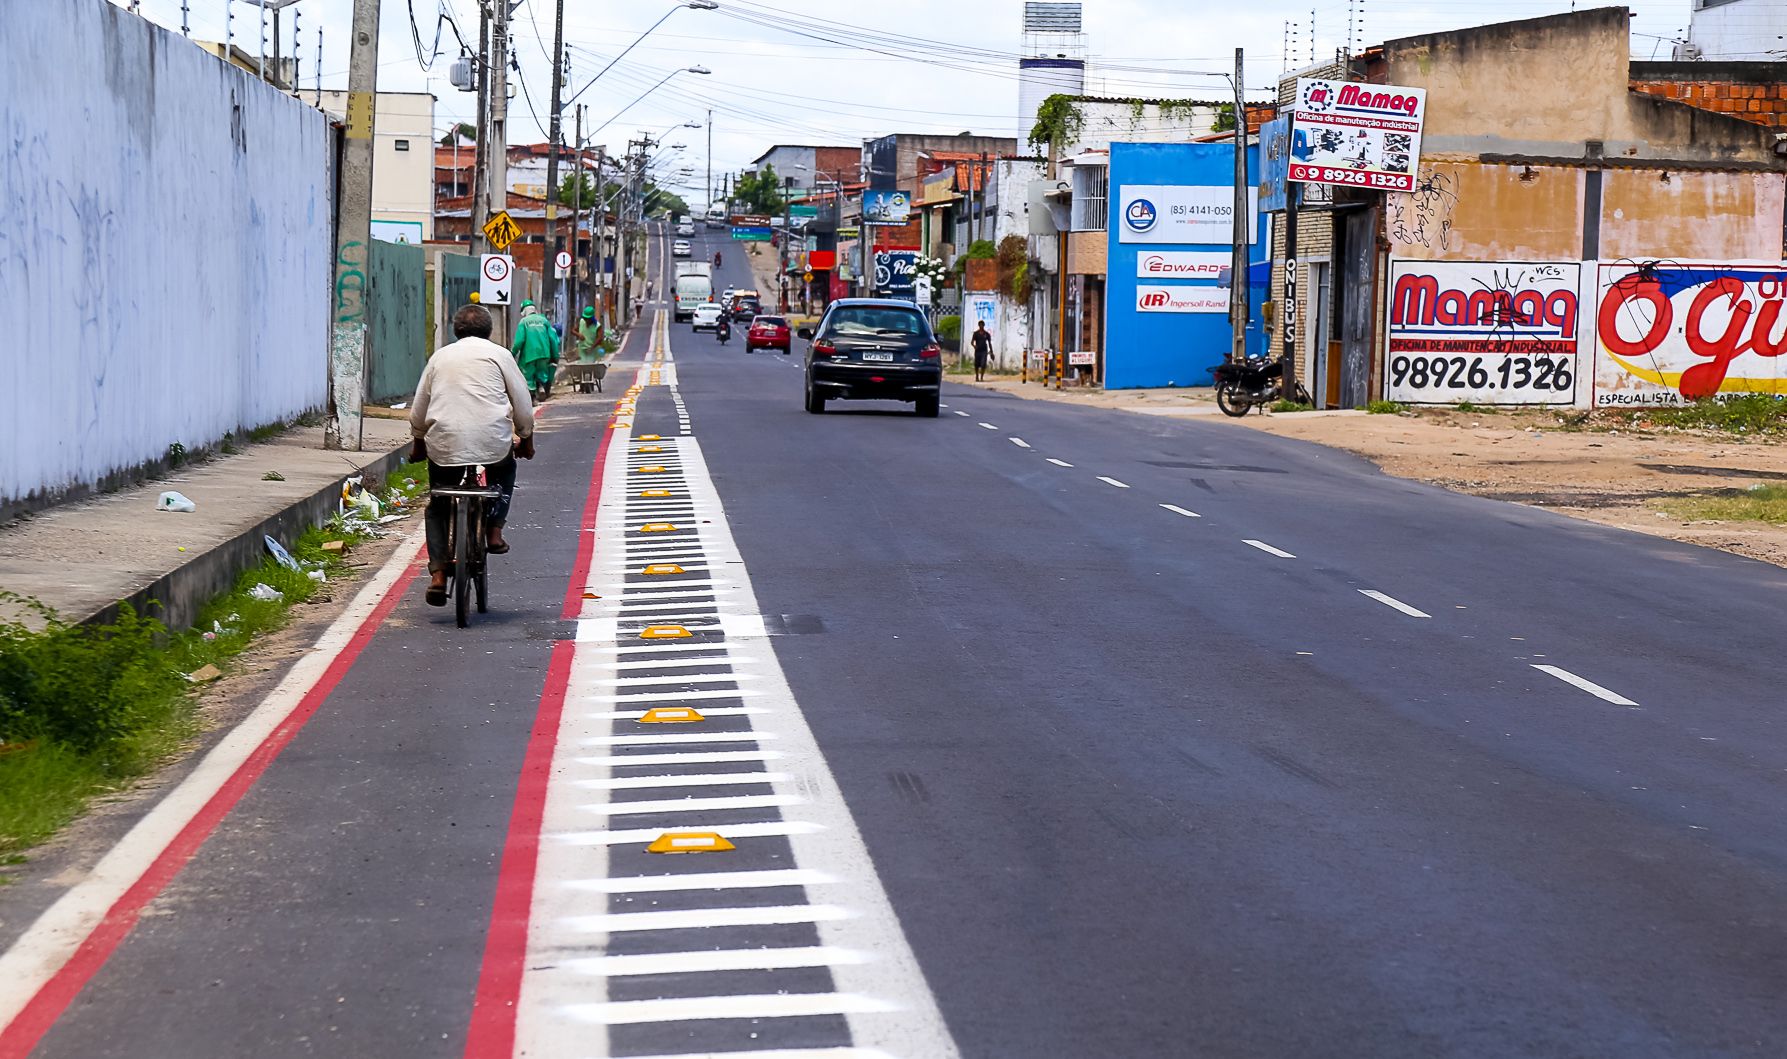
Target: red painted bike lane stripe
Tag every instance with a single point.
(41, 1012)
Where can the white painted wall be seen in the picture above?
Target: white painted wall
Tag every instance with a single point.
(1737, 30)
(165, 246)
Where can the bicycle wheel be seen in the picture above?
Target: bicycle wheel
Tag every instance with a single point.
(462, 559)
(480, 557)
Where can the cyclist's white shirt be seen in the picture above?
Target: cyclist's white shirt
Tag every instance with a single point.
(471, 401)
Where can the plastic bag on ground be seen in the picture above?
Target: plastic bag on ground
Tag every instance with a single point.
(266, 592)
(284, 557)
(172, 501)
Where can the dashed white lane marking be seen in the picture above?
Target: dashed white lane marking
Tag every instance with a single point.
(684, 918)
(786, 1053)
(989, 426)
(724, 779)
(678, 663)
(1589, 686)
(693, 805)
(765, 1006)
(1267, 548)
(706, 880)
(1112, 481)
(1019, 442)
(1396, 603)
(687, 678)
(1059, 463)
(667, 738)
(961, 413)
(718, 960)
(1177, 510)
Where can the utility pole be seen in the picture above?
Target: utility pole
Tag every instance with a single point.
(787, 235)
(480, 160)
(497, 155)
(347, 341)
(710, 164)
(1238, 306)
(555, 242)
(576, 209)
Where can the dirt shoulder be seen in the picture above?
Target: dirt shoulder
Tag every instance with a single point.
(1598, 471)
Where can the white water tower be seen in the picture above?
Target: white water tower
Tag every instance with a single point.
(1053, 60)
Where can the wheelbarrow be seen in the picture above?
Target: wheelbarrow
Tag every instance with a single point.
(587, 378)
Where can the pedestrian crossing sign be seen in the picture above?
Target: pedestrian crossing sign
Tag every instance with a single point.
(501, 230)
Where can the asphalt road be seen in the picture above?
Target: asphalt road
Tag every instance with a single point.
(1137, 763)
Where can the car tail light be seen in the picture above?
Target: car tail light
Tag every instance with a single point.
(930, 350)
(824, 347)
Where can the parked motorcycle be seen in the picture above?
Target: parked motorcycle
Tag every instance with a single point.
(1241, 384)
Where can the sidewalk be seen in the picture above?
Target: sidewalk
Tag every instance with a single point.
(83, 558)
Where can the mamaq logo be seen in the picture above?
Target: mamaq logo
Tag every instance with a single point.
(1140, 215)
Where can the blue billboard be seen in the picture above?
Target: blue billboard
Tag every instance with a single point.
(885, 207)
(1166, 320)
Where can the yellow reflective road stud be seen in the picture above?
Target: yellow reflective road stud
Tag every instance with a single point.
(650, 448)
(662, 568)
(653, 469)
(671, 715)
(655, 492)
(663, 632)
(648, 437)
(689, 842)
(657, 527)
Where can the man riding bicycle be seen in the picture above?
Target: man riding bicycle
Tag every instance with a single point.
(470, 404)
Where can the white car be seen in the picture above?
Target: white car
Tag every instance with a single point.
(685, 229)
(707, 315)
(680, 248)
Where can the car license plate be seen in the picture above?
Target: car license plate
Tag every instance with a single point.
(880, 358)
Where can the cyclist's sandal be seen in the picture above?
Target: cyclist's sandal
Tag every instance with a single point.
(436, 596)
(497, 549)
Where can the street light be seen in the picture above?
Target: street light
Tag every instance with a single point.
(649, 91)
(698, 5)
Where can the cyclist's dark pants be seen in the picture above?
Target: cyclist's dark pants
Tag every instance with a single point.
(440, 509)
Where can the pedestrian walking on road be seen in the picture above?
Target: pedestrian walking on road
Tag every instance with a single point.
(536, 350)
(469, 409)
(982, 341)
(589, 335)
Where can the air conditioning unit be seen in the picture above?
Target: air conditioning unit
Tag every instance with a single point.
(460, 73)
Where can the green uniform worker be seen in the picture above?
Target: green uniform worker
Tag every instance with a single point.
(589, 335)
(536, 350)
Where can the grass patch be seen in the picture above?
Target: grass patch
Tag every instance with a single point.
(1762, 503)
(1383, 408)
(1752, 413)
(1477, 409)
(86, 709)
(1291, 406)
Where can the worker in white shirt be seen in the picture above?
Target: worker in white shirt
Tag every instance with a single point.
(472, 409)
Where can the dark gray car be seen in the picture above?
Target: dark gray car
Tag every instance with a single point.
(873, 349)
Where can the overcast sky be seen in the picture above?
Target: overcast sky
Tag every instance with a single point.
(778, 83)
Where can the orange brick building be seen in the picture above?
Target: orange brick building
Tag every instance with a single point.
(1752, 91)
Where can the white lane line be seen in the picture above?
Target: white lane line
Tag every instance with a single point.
(1019, 442)
(642, 648)
(1112, 481)
(692, 737)
(721, 960)
(1059, 463)
(1264, 547)
(706, 758)
(765, 1006)
(783, 1053)
(989, 426)
(649, 834)
(704, 880)
(1397, 603)
(960, 413)
(723, 711)
(711, 779)
(1176, 509)
(671, 696)
(1589, 686)
(684, 918)
(676, 663)
(690, 678)
(692, 805)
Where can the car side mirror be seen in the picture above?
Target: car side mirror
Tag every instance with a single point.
(805, 332)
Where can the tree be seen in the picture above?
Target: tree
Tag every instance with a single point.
(585, 190)
(470, 132)
(658, 201)
(759, 192)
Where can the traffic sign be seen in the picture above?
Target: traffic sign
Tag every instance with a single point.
(501, 230)
(808, 276)
(563, 261)
(495, 273)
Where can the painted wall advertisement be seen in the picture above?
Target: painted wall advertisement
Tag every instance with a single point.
(1182, 213)
(1669, 333)
(1486, 332)
(1345, 132)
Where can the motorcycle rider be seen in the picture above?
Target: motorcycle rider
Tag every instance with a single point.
(723, 329)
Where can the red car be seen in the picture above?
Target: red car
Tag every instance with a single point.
(768, 332)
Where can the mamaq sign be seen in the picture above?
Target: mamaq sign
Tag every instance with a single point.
(1486, 332)
(1670, 333)
(1363, 135)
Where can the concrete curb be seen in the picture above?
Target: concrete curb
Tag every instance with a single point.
(175, 598)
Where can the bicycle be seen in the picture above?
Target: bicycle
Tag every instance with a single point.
(467, 540)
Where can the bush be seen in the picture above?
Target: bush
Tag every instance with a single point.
(1383, 408)
(1291, 406)
(949, 327)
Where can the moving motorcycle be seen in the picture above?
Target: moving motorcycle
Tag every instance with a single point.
(1241, 384)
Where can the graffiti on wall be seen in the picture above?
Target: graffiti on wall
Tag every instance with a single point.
(1669, 333)
(1423, 217)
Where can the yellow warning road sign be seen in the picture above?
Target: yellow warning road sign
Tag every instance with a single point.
(501, 230)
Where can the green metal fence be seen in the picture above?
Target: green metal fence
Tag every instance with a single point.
(398, 319)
